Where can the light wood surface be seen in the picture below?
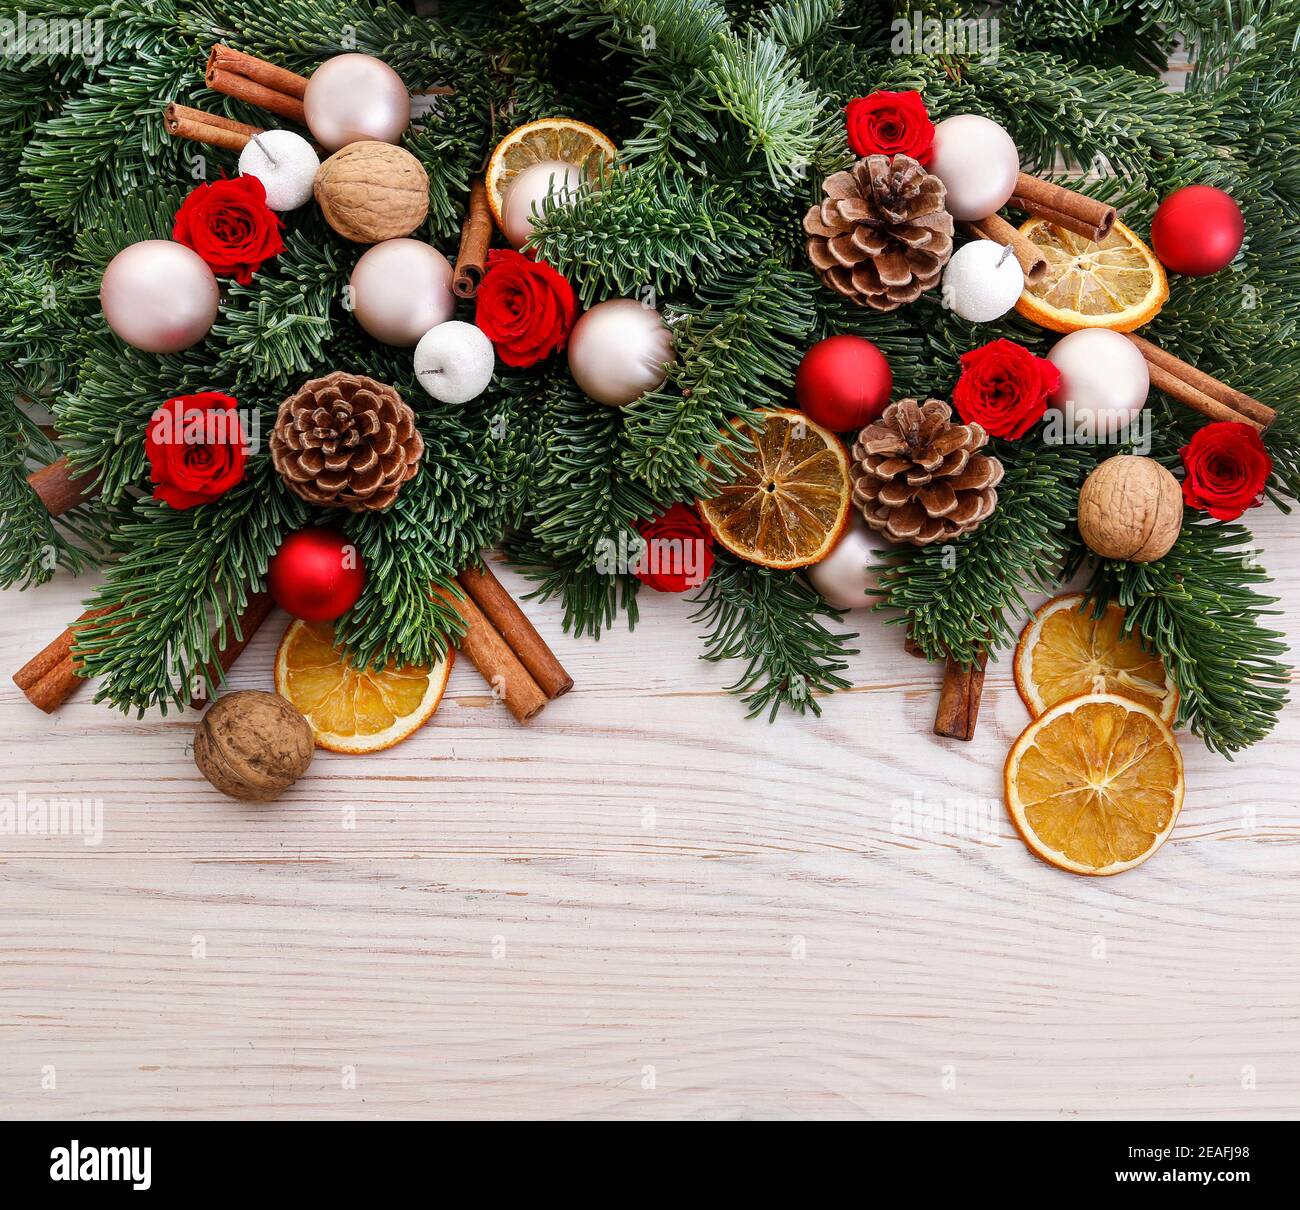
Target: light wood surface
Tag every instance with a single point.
(638, 905)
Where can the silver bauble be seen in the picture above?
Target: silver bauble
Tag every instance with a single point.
(400, 289)
(353, 97)
(159, 296)
(977, 163)
(619, 350)
(1104, 382)
(527, 193)
(845, 578)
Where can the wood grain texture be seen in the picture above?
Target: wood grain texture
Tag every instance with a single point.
(638, 905)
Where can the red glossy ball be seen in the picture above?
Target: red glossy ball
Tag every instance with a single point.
(843, 383)
(1197, 230)
(316, 575)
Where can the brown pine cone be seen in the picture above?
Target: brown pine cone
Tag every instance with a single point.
(345, 441)
(882, 236)
(918, 478)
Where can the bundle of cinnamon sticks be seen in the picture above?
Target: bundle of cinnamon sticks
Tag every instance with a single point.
(1063, 207)
(504, 645)
(1199, 391)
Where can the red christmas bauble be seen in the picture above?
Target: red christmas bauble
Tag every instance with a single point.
(1197, 230)
(843, 383)
(316, 575)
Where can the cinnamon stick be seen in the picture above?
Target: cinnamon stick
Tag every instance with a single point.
(512, 624)
(59, 489)
(1032, 262)
(50, 677)
(182, 122)
(475, 235)
(1064, 207)
(247, 78)
(226, 58)
(959, 699)
(254, 613)
(492, 656)
(1199, 390)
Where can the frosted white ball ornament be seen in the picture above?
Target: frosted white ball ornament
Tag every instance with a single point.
(527, 194)
(454, 361)
(845, 578)
(159, 296)
(400, 289)
(285, 163)
(977, 163)
(619, 350)
(1104, 381)
(353, 97)
(982, 281)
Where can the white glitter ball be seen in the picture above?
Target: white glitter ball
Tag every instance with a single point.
(286, 165)
(454, 361)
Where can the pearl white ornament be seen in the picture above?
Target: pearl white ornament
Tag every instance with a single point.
(528, 192)
(159, 296)
(454, 361)
(978, 164)
(982, 281)
(1104, 381)
(618, 351)
(845, 578)
(285, 163)
(354, 97)
(400, 289)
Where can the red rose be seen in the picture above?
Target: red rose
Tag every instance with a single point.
(196, 449)
(1227, 468)
(890, 123)
(1004, 388)
(525, 307)
(229, 224)
(678, 553)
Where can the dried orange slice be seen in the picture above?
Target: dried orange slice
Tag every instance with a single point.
(1117, 284)
(1065, 650)
(350, 709)
(789, 503)
(1094, 785)
(538, 142)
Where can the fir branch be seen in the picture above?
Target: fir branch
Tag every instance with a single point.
(33, 545)
(770, 619)
(276, 328)
(738, 349)
(646, 229)
(1198, 606)
(955, 598)
(182, 572)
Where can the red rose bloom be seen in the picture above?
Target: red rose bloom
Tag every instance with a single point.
(890, 123)
(525, 307)
(229, 224)
(1227, 468)
(1004, 388)
(678, 553)
(196, 449)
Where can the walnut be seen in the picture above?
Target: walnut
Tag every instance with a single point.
(371, 192)
(1130, 508)
(253, 745)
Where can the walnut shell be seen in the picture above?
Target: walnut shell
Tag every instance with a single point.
(1130, 508)
(253, 745)
(371, 192)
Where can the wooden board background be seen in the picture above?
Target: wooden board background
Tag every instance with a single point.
(640, 905)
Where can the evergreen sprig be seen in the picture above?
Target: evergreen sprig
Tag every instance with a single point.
(772, 622)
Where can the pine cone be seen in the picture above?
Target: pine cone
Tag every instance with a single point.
(882, 236)
(918, 478)
(345, 441)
